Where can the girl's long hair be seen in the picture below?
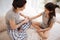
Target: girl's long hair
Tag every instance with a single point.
(51, 7)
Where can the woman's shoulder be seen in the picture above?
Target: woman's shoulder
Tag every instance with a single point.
(9, 14)
(9, 11)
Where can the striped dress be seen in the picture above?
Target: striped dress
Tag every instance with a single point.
(15, 34)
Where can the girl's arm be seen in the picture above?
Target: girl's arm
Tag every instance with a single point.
(46, 29)
(50, 26)
(36, 16)
(58, 21)
(32, 17)
(14, 25)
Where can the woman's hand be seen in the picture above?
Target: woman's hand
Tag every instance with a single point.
(27, 17)
(26, 20)
(24, 15)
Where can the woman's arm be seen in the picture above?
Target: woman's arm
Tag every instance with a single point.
(14, 25)
(24, 15)
(36, 16)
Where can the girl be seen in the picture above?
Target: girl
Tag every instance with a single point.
(16, 26)
(48, 17)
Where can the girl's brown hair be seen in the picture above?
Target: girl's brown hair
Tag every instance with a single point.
(51, 7)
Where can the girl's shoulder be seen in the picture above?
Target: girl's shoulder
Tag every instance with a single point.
(54, 17)
(43, 13)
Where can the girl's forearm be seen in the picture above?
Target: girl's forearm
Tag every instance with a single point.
(36, 16)
(49, 27)
(58, 22)
(33, 18)
(46, 29)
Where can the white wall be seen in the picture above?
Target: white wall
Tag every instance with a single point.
(5, 5)
(33, 6)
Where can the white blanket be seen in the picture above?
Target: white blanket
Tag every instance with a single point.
(32, 34)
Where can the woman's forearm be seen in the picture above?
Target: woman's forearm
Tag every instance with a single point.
(23, 22)
(23, 15)
(19, 25)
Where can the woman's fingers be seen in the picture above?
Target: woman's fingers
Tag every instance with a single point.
(26, 20)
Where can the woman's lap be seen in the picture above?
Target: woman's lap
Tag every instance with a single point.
(19, 34)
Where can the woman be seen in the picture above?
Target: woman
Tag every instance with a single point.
(16, 26)
(48, 17)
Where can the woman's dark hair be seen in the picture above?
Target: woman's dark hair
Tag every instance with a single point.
(51, 7)
(18, 3)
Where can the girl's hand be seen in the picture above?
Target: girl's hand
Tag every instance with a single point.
(42, 30)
